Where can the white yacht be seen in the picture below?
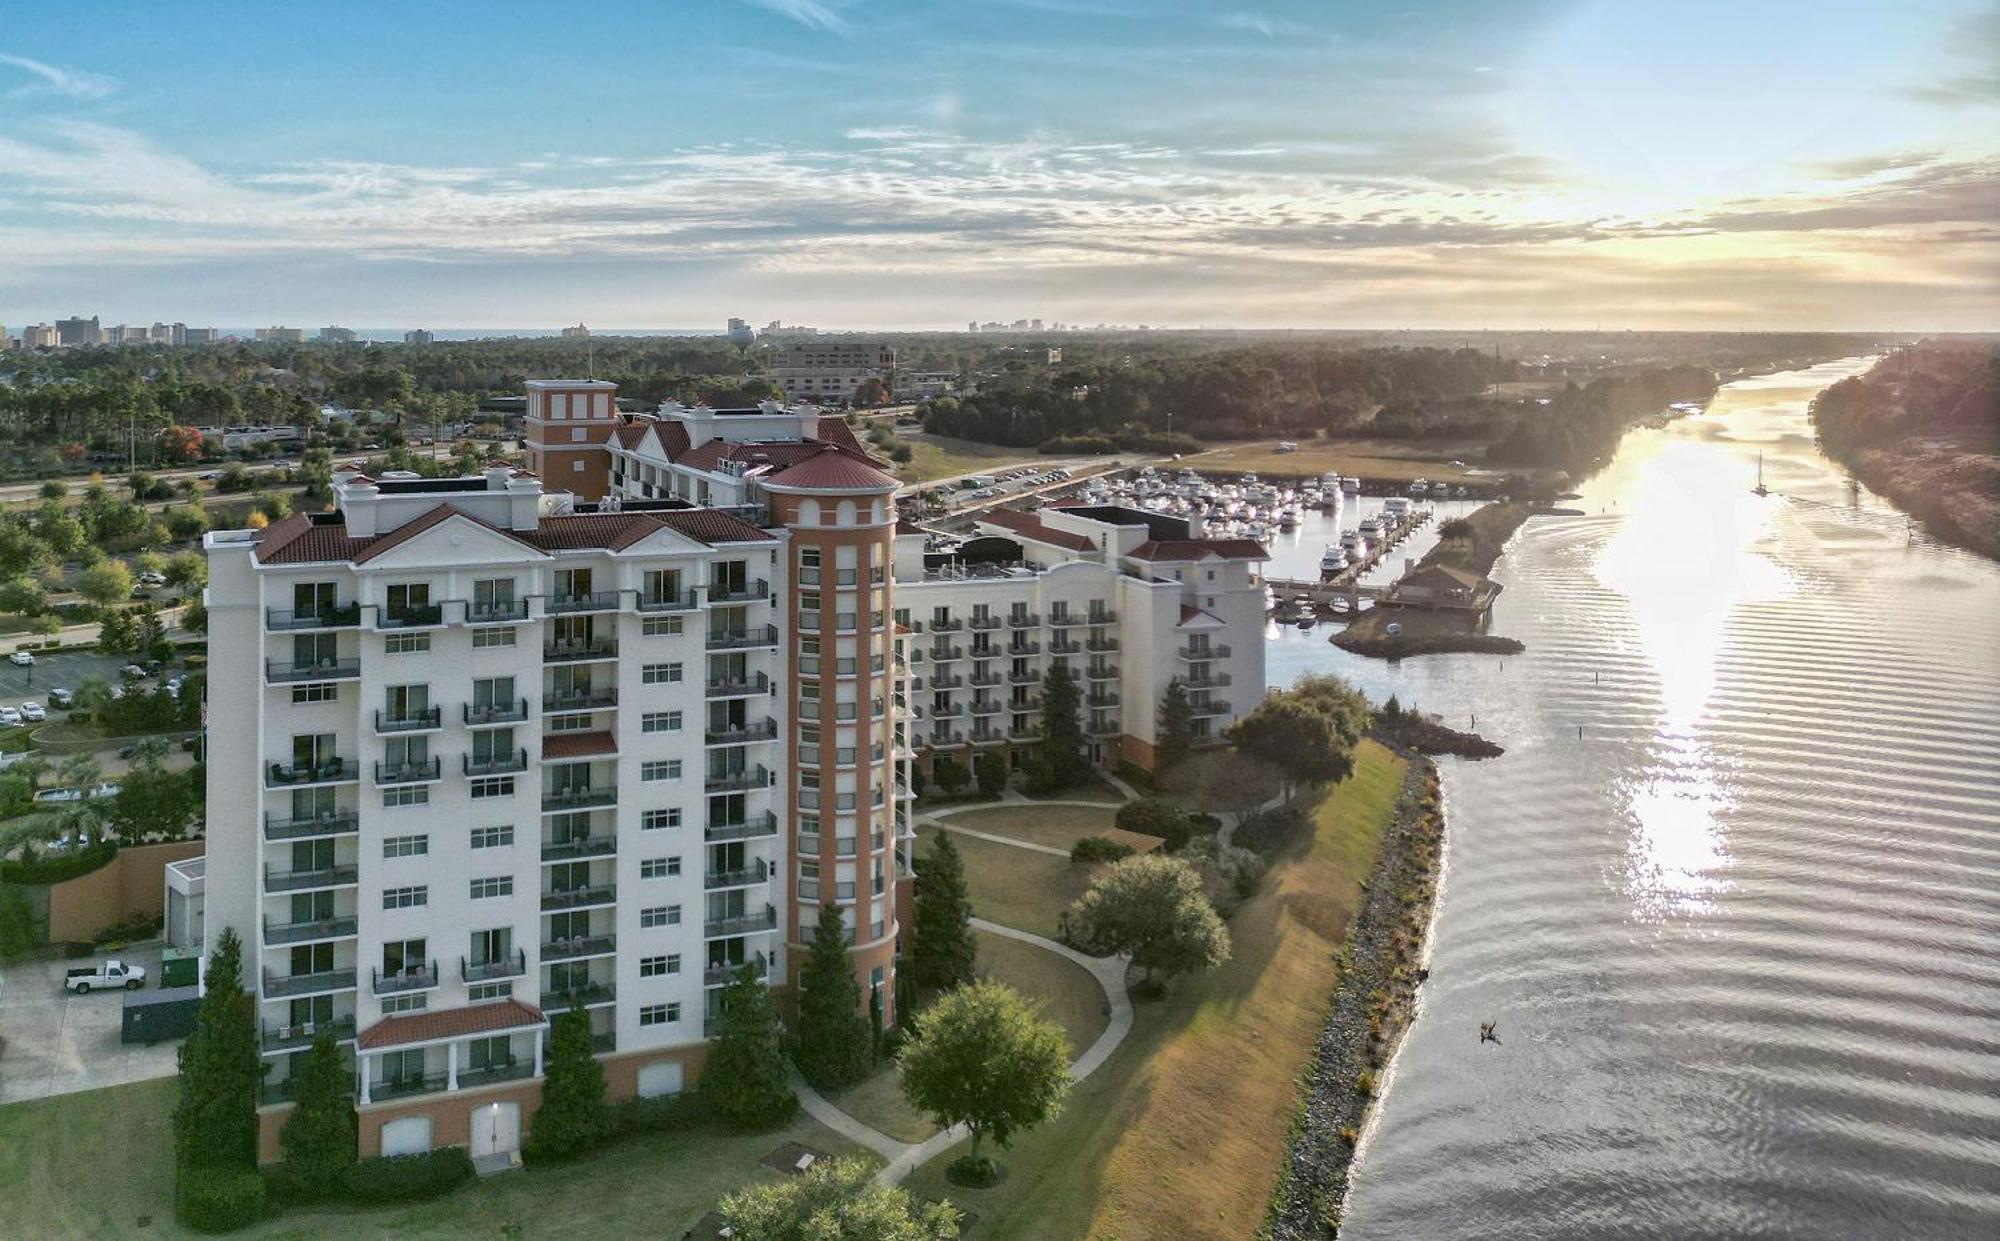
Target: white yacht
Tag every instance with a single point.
(1332, 561)
(1351, 485)
(1420, 487)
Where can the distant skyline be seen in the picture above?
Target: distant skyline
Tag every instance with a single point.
(871, 164)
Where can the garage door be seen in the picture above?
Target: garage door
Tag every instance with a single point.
(410, 1135)
(658, 1079)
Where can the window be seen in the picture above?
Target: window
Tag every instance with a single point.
(407, 795)
(655, 967)
(327, 692)
(660, 915)
(493, 786)
(660, 867)
(498, 885)
(406, 898)
(654, 820)
(405, 846)
(660, 674)
(393, 1004)
(498, 635)
(482, 992)
(406, 643)
(492, 837)
(660, 626)
(661, 769)
(660, 722)
(659, 1014)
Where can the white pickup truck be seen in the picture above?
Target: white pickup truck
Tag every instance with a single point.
(104, 977)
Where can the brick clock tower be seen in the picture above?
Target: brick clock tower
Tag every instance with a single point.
(569, 421)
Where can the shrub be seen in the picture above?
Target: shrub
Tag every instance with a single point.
(1041, 778)
(991, 771)
(219, 1199)
(1157, 816)
(949, 773)
(409, 1178)
(1271, 830)
(1242, 869)
(663, 1114)
(55, 868)
(1098, 849)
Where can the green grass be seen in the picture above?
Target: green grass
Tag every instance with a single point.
(93, 1164)
(937, 456)
(1015, 887)
(1182, 1132)
(1058, 827)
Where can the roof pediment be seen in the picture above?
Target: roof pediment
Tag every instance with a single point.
(448, 535)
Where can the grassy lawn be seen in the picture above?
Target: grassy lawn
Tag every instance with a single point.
(93, 1164)
(1016, 887)
(938, 456)
(1056, 826)
(1182, 1132)
(1384, 459)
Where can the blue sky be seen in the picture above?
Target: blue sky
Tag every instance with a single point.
(869, 163)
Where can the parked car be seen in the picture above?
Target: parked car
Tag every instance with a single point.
(173, 687)
(61, 697)
(150, 578)
(106, 976)
(131, 672)
(22, 659)
(10, 715)
(33, 713)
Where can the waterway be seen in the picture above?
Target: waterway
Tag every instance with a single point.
(1732, 896)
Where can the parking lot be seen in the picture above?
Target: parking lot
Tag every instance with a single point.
(52, 1042)
(65, 668)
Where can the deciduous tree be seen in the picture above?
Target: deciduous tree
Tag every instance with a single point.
(982, 1058)
(1153, 908)
(836, 1200)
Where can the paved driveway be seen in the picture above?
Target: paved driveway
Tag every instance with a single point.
(53, 668)
(56, 1043)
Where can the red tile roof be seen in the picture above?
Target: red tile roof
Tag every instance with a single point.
(300, 540)
(450, 1023)
(578, 745)
(1190, 613)
(1200, 549)
(1028, 526)
(836, 431)
(629, 435)
(834, 469)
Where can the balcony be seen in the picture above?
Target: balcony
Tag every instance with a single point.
(479, 715)
(742, 877)
(1024, 648)
(421, 772)
(948, 680)
(979, 623)
(293, 1038)
(725, 973)
(579, 651)
(1100, 672)
(306, 932)
(987, 736)
(580, 699)
(1024, 736)
(306, 880)
(418, 721)
(496, 612)
(1106, 616)
(765, 919)
(1198, 653)
(739, 687)
(1060, 645)
(580, 898)
(500, 1071)
(753, 827)
(577, 949)
(570, 605)
(1024, 620)
(946, 626)
(738, 780)
(511, 966)
(738, 592)
(988, 708)
(945, 654)
(286, 672)
(495, 764)
(1100, 644)
(410, 616)
(1026, 677)
(407, 1086)
(683, 601)
(1103, 698)
(742, 639)
(946, 736)
(986, 680)
(339, 616)
(423, 978)
(579, 798)
(1103, 727)
(950, 710)
(743, 734)
(287, 986)
(590, 995)
(579, 847)
(332, 823)
(1214, 680)
(292, 775)
(1211, 707)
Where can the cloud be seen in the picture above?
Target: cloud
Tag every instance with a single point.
(817, 14)
(1258, 23)
(50, 79)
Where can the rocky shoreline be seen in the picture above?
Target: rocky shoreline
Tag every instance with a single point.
(1372, 1005)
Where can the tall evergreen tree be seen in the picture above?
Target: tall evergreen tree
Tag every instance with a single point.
(1063, 746)
(831, 1043)
(744, 1075)
(215, 1121)
(1174, 725)
(573, 1115)
(942, 948)
(319, 1136)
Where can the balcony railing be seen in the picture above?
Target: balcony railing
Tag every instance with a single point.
(502, 1071)
(288, 1038)
(513, 965)
(739, 687)
(410, 616)
(1198, 653)
(1024, 648)
(950, 710)
(1106, 698)
(579, 798)
(280, 986)
(1023, 736)
(285, 671)
(409, 721)
(738, 592)
(409, 773)
(328, 771)
(985, 679)
(1214, 680)
(1107, 616)
(1101, 672)
(945, 626)
(945, 654)
(988, 708)
(752, 827)
(579, 898)
(946, 680)
(765, 919)
(1100, 644)
(495, 764)
(1102, 728)
(946, 736)
(744, 734)
(588, 995)
(577, 651)
(987, 736)
(738, 780)
(1212, 707)
(684, 601)
(497, 612)
(332, 823)
(741, 877)
(301, 880)
(984, 622)
(1060, 645)
(724, 974)
(421, 979)
(580, 700)
(574, 848)
(407, 1086)
(305, 932)
(573, 949)
(339, 616)
(595, 601)
(742, 639)
(1025, 620)
(1026, 677)
(480, 714)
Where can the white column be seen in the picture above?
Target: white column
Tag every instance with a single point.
(451, 1066)
(365, 1061)
(538, 1052)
